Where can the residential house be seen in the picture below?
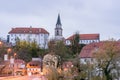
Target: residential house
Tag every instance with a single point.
(19, 67)
(34, 66)
(87, 57)
(86, 54)
(12, 66)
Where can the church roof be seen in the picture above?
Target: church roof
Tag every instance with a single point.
(85, 37)
(27, 30)
(58, 20)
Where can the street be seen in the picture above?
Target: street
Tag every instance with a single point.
(33, 77)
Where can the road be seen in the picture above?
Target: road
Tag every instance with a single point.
(33, 77)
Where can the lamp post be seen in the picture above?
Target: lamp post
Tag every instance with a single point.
(0, 43)
(8, 52)
(15, 55)
(9, 58)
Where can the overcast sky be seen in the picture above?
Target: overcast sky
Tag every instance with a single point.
(85, 16)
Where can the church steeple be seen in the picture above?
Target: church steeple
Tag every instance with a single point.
(58, 29)
(58, 21)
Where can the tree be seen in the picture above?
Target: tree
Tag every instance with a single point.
(76, 46)
(22, 48)
(24, 54)
(75, 43)
(34, 49)
(26, 50)
(61, 49)
(3, 50)
(51, 45)
(51, 73)
(106, 57)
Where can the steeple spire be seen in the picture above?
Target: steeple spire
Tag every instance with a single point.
(58, 29)
(58, 21)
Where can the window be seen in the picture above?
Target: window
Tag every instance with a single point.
(57, 33)
(41, 34)
(11, 35)
(91, 59)
(11, 39)
(36, 35)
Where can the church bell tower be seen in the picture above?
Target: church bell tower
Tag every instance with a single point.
(58, 29)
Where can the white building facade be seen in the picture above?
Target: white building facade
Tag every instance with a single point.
(84, 38)
(39, 35)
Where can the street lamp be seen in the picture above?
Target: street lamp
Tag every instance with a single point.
(8, 52)
(0, 42)
(15, 55)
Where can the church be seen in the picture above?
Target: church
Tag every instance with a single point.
(84, 38)
(58, 30)
(40, 35)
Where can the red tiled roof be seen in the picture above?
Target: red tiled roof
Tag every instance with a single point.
(22, 30)
(87, 51)
(19, 61)
(4, 62)
(85, 37)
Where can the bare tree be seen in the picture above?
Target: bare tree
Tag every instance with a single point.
(106, 57)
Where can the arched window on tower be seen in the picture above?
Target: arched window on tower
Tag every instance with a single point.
(57, 32)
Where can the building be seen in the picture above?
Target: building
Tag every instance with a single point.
(5, 67)
(84, 38)
(19, 67)
(12, 66)
(58, 29)
(40, 35)
(86, 54)
(87, 57)
(34, 66)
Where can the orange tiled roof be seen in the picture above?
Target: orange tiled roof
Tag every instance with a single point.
(22, 30)
(85, 37)
(35, 64)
